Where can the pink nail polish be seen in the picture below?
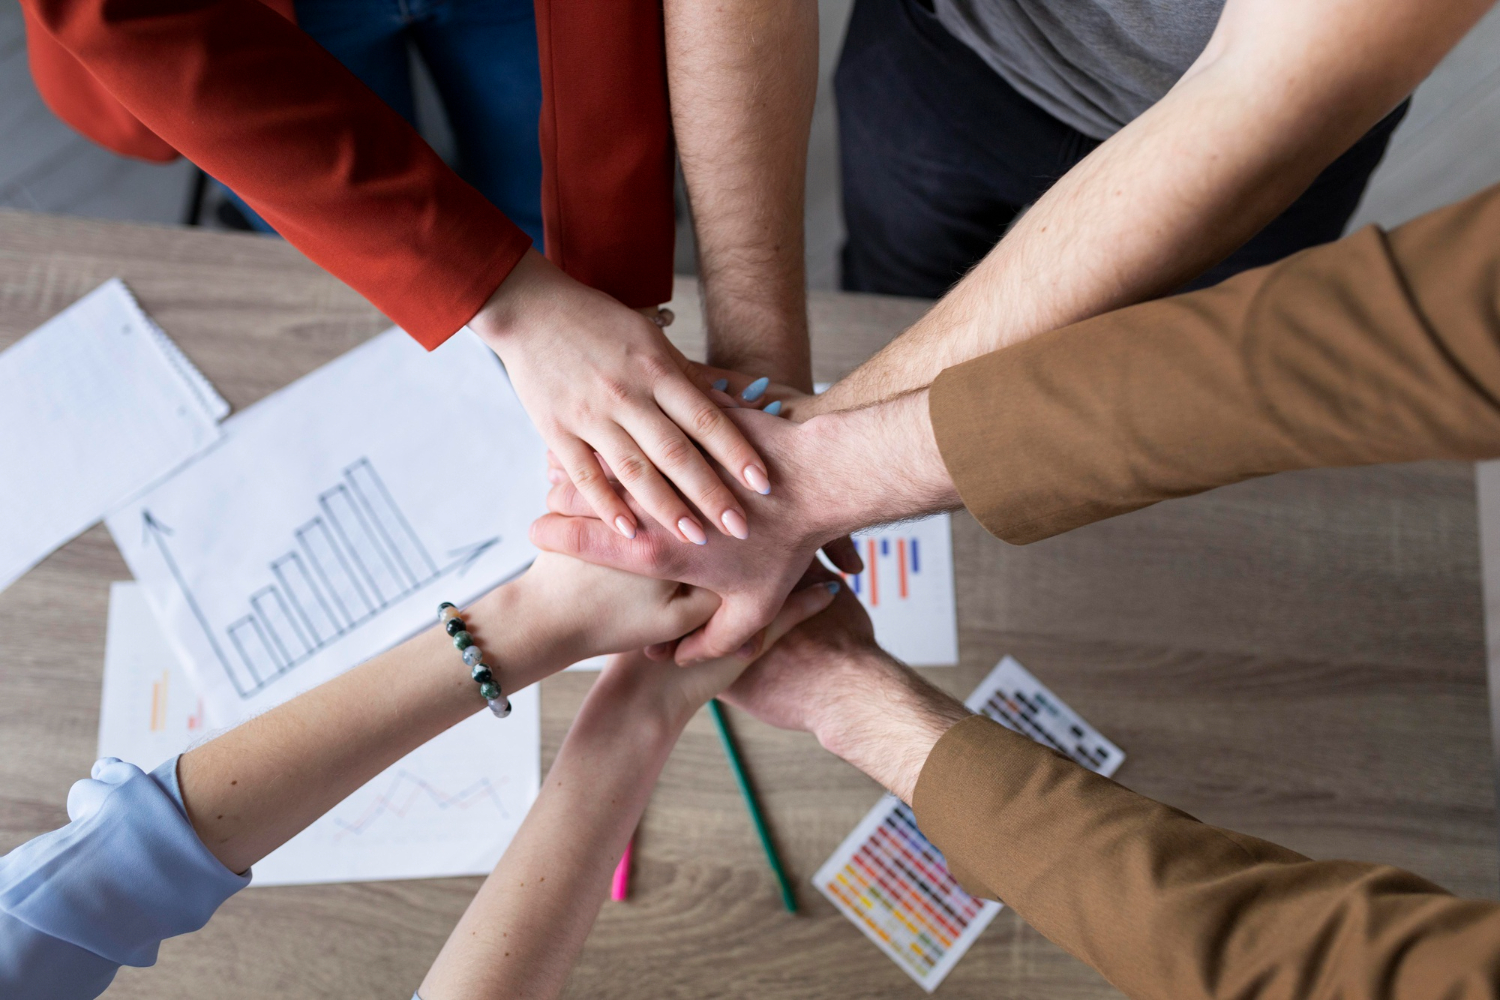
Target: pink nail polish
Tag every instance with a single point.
(755, 478)
(624, 527)
(734, 523)
(692, 531)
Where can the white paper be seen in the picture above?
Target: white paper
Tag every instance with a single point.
(907, 587)
(95, 405)
(334, 517)
(1487, 482)
(447, 808)
(893, 884)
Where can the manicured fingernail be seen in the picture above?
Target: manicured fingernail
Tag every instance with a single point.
(755, 389)
(624, 526)
(734, 523)
(554, 476)
(774, 409)
(692, 531)
(755, 478)
(721, 384)
(834, 586)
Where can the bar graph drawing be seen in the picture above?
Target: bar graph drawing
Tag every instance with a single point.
(356, 556)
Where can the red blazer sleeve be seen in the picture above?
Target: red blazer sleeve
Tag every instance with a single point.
(607, 154)
(256, 103)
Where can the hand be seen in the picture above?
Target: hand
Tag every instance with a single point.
(599, 378)
(752, 579)
(829, 678)
(673, 693)
(573, 610)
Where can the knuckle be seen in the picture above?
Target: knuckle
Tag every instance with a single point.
(615, 390)
(676, 451)
(705, 421)
(631, 468)
(656, 368)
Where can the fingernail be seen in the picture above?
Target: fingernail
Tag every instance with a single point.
(755, 389)
(834, 586)
(746, 651)
(624, 526)
(755, 478)
(734, 523)
(692, 531)
(721, 384)
(554, 476)
(774, 409)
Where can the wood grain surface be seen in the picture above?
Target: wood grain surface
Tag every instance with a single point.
(1300, 658)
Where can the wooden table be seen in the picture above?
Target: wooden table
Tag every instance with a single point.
(1301, 658)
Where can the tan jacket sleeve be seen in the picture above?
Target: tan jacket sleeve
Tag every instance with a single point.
(1167, 907)
(1378, 348)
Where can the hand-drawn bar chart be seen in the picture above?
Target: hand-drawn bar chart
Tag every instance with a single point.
(351, 560)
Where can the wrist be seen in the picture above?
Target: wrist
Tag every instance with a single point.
(883, 718)
(509, 313)
(520, 641)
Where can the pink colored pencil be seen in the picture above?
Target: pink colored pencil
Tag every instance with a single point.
(620, 887)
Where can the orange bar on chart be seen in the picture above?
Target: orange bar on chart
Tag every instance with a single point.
(901, 564)
(870, 567)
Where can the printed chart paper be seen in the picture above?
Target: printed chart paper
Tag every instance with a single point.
(448, 808)
(893, 883)
(907, 587)
(95, 405)
(334, 517)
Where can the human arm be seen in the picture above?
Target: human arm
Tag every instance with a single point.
(743, 77)
(523, 931)
(1281, 90)
(260, 106)
(148, 857)
(835, 474)
(1377, 348)
(1164, 906)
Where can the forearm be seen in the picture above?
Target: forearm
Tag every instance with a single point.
(743, 77)
(872, 465)
(252, 789)
(1164, 906)
(1183, 185)
(525, 928)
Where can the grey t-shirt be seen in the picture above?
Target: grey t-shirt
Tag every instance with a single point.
(1095, 64)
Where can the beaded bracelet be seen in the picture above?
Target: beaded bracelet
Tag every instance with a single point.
(474, 659)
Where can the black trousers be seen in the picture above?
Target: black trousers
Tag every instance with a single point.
(938, 155)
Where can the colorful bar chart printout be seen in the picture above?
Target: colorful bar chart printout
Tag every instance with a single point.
(907, 587)
(893, 883)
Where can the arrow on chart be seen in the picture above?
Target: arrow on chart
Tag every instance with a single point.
(468, 556)
(154, 530)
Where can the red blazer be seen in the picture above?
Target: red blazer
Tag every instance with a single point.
(235, 87)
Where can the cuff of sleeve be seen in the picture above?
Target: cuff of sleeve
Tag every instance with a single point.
(434, 314)
(126, 873)
(975, 769)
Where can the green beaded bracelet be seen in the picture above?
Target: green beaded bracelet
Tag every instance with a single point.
(489, 687)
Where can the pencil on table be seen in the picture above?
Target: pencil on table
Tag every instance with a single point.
(738, 767)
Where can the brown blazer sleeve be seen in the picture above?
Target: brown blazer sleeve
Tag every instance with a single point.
(1167, 907)
(1378, 348)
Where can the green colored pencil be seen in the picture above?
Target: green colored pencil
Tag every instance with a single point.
(738, 767)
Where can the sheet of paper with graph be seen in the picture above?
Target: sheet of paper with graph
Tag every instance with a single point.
(894, 885)
(448, 808)
(334, 516)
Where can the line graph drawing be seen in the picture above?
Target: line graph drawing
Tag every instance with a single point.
(353, 559)
(406, 790)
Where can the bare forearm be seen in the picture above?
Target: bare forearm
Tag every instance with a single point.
(525, 928)
(875, 465)
(1230, 147)
(252, 789)
(743, 76)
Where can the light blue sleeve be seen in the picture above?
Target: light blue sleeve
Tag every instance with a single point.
(105, 890)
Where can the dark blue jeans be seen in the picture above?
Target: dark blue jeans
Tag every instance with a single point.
(938, 155)
(482, 55)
